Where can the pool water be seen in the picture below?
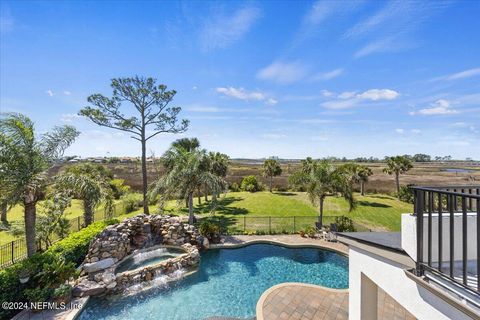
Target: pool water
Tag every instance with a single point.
(143, 259)
(229, 283)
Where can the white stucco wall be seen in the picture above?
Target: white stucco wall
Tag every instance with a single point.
(392, 279)
(409, 236)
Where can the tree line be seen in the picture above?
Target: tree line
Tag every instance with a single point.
(25, 159)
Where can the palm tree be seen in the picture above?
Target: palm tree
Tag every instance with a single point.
(358, 174)
(218, 163)
(271, 168)
(363, 175)
(90, 183)
(323, 180)
(187, 170)
(24, 160)
(398, 165)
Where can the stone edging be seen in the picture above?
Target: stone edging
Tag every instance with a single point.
(264, 296)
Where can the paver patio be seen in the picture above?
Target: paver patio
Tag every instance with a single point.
(296, 301)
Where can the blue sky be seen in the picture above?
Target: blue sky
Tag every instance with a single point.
(256, 79)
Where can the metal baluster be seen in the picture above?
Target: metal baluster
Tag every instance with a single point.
(430, 208)
(440, 230)
(452, 243)
(464, 240)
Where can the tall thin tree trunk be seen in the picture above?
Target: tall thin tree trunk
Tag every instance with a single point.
(199, 195)
(271, 183)
(3, 210)
(320, 218)
(30, 219)
(190, 208)
(362, 187)
(87, 213)
(206, 193)
(144, 175)
(397, 181)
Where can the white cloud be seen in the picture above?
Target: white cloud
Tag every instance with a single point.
(321, 11)
(49, 93)
(340, 104)
(350, 99)
(440, 107)
(271, 101)
(347, 94)
(66, 92)
(400, 131)
(379, 94)
(392, 27)
(416, 131)
(194, 88)
(242, 94)
(222, 31)
(283, 72)
(70, 117)
(328, 75)
(460, 75)
(327, 93)
(383, 45)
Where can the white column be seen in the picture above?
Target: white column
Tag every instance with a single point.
(368, 299)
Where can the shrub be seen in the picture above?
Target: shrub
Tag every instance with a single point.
(47, 270)
(234, 187)
(132, 201)
(10, 288)
(209, 229)
(311, 231)
(38, 294)
(74, 247)
(250, 184)
(344, 224)
(119, 188)
(405, 194)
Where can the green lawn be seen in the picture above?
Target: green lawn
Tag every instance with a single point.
(376, 212)
(15, 217)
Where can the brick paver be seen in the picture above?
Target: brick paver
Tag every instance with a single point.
(305, 302)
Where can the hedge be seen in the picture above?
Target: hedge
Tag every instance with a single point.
(71, 249)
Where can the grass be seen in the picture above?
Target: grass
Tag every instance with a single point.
(374, 211)
(377, 212)
(15, 217)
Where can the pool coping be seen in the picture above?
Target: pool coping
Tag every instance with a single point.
(266, 293)
(277, 242)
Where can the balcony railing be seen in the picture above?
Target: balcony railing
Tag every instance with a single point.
(448, 234)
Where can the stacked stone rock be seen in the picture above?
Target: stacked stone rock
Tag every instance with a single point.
(118, 241)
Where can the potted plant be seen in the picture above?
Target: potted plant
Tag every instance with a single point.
(24, 275)
(311, 232)
(63, 294)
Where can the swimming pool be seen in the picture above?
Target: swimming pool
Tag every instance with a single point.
(229, 282)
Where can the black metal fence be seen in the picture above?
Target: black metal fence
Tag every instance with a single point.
(272, 225)
(16, 250)
(448, 233)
